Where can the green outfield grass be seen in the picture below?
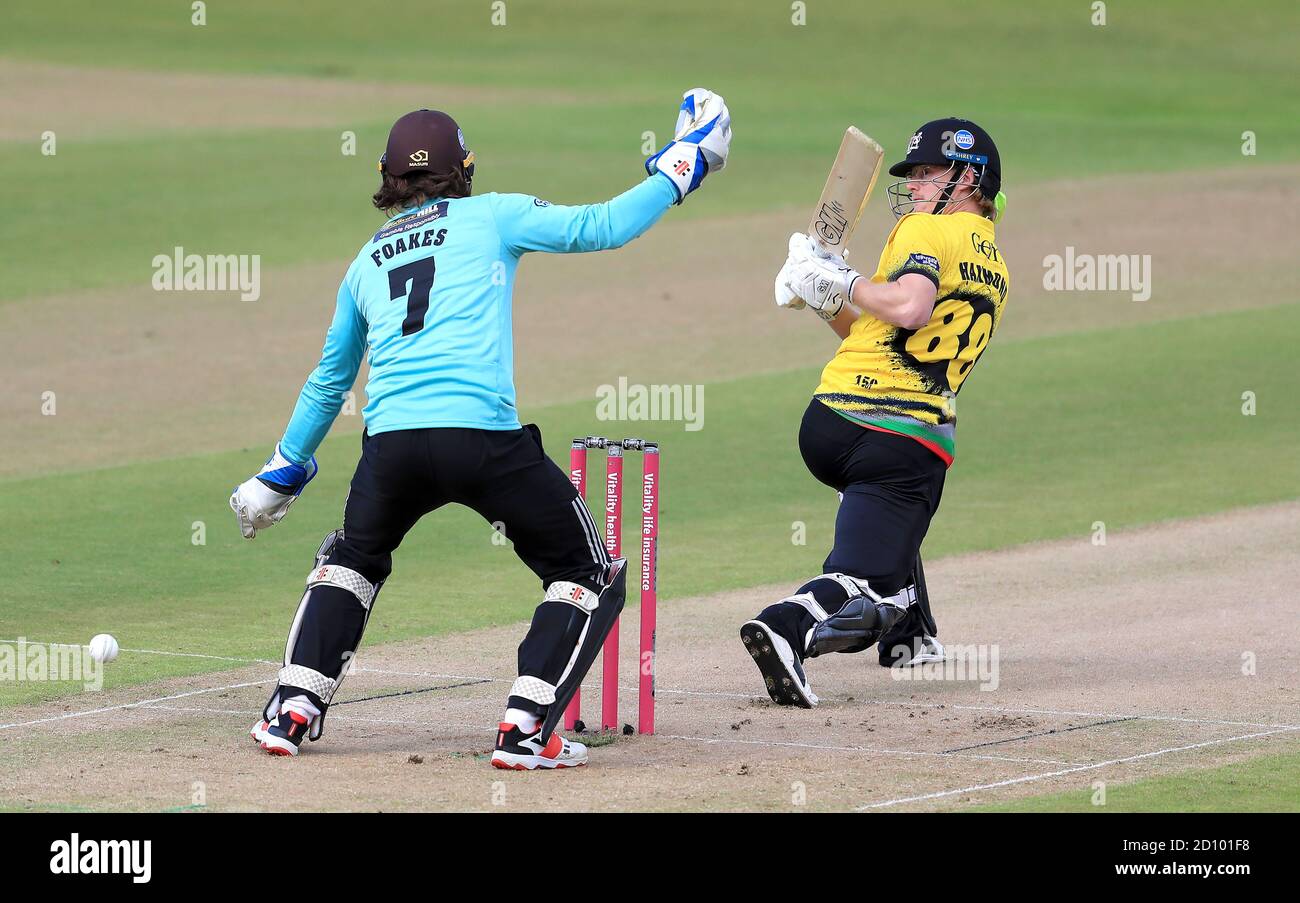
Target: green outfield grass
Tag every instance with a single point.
(1155, 89)
(1124, 426)
(1127, 426)
(1264, 784)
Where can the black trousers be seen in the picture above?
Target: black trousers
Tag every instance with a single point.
(507, 478)
(890, 487)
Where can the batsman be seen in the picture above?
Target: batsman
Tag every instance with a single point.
(881, 426)
(430, 296)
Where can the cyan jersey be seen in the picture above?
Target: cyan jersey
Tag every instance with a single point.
(431, 296)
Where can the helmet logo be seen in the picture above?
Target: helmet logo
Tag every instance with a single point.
(461, 136)
(420, 158)
(914, 143)
(964, 139)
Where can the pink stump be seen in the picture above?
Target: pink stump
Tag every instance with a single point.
(577, 476)
(649, 588)
(614, 544)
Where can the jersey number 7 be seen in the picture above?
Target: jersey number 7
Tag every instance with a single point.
(420, 275)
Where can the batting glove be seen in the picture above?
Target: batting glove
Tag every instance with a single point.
(263, 500)
(823, 281)
(700, 144)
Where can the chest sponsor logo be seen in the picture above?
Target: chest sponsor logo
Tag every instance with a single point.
(984, 247)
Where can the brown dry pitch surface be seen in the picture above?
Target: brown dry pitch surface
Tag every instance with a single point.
(1114, 662)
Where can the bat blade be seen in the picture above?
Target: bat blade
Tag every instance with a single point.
(848, 187)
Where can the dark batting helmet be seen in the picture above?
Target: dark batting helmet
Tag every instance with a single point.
(959, 143)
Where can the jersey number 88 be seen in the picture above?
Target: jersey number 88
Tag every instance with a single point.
(955, 335)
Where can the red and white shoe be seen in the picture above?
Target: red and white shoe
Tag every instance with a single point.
(525, 752)
(284, 736)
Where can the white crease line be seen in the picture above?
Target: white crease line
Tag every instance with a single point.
(867, 749)
(220, 658)
(1053, 774)
(130, 705)
(358, 669)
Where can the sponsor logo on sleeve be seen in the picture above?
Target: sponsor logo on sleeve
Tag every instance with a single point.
(538, 202)
(923, 260)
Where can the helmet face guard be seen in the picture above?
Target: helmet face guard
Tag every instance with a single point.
(901, 201)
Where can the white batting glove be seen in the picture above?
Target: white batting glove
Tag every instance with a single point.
(785, 296)
(823, 281)
(263, 500)
(700, 142)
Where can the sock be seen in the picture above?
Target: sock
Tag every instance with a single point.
(300, 704)
(525, 721)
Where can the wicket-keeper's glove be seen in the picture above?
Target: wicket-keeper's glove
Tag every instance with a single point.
(700, 145)
(263, 500)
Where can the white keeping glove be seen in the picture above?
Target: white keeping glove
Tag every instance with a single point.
(823, 281)
(700, 144)
(263, 500)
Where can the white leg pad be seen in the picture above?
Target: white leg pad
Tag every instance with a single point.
(308, 679)
(575, 594)
(809, 602)
(344, 578)
(534, 688)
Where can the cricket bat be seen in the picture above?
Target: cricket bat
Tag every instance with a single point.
(848, 186)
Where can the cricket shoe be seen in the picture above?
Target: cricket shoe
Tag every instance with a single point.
(781, 669)
(526, 752)
(284, 736)
(913, 651)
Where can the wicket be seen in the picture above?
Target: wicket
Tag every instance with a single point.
(614, 449)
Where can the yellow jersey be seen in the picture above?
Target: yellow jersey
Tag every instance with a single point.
(906, 381)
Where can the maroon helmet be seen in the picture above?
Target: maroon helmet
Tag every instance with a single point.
(428, 141)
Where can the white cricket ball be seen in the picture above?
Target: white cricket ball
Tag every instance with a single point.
(103, 648)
